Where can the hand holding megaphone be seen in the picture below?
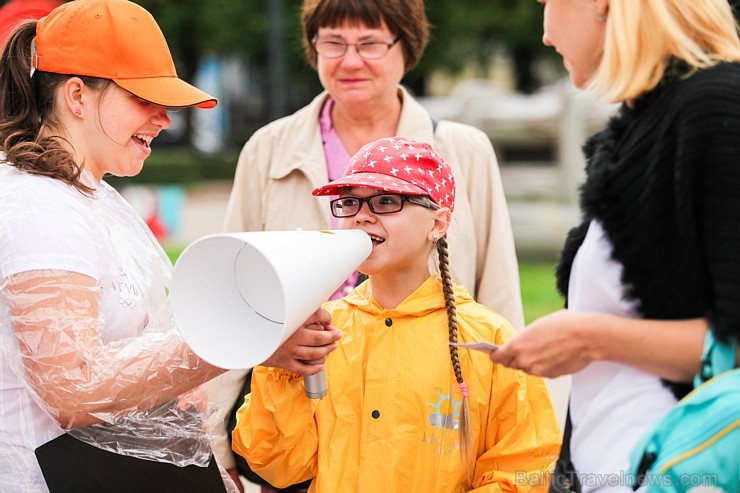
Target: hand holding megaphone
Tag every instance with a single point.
(305, 352)
(239, 299)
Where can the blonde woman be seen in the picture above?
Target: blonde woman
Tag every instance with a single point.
(657, 257)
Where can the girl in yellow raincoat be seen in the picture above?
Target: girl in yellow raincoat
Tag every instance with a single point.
(405, 410)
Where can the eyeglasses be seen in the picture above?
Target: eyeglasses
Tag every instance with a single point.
(384, 203)
(369, 50)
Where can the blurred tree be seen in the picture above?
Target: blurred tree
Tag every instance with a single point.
(470, 31)
(181, 23)
(195, 28)
(464, 33)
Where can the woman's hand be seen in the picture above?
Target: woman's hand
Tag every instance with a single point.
(565, 342)
(305, 351)
(554, 345)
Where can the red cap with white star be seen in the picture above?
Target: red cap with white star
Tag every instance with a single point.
(398, 165)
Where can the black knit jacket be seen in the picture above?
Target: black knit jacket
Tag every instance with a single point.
(664, 180)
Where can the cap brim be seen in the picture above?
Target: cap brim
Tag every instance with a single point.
(375, 181)
(168, 91)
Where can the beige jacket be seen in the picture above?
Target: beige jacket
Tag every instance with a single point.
(284, 161)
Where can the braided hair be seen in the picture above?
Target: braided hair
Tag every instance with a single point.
(465, 427)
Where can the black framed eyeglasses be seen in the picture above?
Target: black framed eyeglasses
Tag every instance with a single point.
(382, 203)
(369, 50)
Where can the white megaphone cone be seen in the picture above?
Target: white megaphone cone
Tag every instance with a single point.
(236, 297)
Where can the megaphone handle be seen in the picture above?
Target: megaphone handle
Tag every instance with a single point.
(315, 385)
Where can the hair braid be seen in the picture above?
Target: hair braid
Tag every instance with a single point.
(465, 427)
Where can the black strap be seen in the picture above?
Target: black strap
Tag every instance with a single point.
(565, 448)
(564, 476)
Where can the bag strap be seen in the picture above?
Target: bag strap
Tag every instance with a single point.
(567, 432)
(717, 357)
(564, 476)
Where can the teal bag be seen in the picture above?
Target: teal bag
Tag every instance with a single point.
(696, 446)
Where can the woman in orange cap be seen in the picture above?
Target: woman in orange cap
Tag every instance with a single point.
(94, 379)
(404, 410)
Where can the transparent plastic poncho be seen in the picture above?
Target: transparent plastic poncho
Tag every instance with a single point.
(87, 341)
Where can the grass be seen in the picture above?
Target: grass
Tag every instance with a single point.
(173, 252)
(539, 295)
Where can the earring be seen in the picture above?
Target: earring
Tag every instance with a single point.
(601, 17)
(78, 113)
(434, 239)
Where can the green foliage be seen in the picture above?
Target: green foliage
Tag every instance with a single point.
(180, 165)
(195, 27)
(468, 31)
(471, 29)
(462, 31)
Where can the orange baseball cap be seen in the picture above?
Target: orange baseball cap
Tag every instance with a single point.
(117, 40)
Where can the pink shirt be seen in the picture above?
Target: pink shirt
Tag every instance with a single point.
(337, 159)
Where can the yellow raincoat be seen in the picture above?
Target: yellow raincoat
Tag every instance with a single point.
(389, 422)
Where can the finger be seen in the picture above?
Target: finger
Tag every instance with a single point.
(502, 355)
(319, 361)
(315, 326)
(332, 331)
(309, 337)
(320, 316)
(307, 370)
(311, 353)
(303, 368)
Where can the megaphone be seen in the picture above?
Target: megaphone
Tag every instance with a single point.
(237, 297)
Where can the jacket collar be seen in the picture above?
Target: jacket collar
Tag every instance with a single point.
(426, 299)
(307, 153)
(306, 150)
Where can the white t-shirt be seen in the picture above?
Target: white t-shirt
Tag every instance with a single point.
(46, 224)
(611, 405)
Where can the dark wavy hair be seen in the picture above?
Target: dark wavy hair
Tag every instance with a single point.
(27, 105)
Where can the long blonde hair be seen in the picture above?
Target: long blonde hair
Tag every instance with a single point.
(642, 36)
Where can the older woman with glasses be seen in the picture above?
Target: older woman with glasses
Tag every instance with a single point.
(361, 50)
